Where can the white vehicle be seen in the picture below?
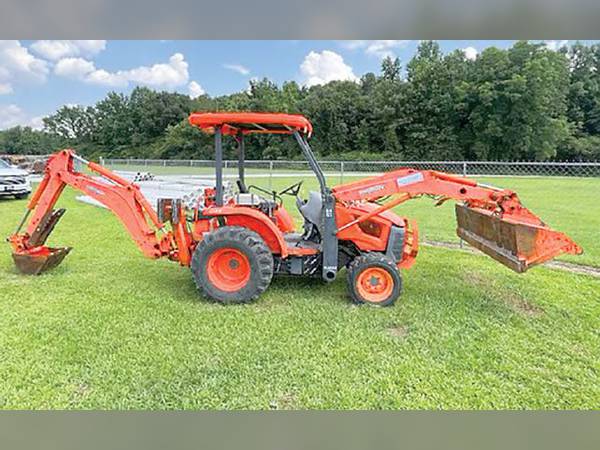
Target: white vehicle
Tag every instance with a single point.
(13, 181)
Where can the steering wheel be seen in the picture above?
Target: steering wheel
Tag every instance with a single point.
(292, 190)
(273, 194)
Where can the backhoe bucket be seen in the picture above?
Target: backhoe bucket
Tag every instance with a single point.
(35, 257)
(40, 259)
(516, 244)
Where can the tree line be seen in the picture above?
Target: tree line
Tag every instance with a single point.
(526, 102)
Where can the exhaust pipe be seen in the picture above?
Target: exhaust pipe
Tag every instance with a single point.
(515, 243)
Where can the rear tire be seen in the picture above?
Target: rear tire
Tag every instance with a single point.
(21, 196)
(232, 265)
(374, 279)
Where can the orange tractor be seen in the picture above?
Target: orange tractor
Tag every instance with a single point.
(235, 243)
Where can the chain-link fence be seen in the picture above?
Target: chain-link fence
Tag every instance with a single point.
(343, 169)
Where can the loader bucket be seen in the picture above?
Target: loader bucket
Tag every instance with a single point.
(518, 245)
(39, 259)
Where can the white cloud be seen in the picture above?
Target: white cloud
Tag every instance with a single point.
(321, 68)
(555, 45)
(55, 50)
(105, 78)
(84, 70)
(37, 122)
(18, 65)
(380, 48)
(237, 68)
(470, 53)
(74, 67)
(11, 116)
(195, 90)
(354, 45)
(174, 73)
(5, 88)
(166, 75)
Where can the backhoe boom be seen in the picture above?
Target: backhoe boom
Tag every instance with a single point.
(120, 196)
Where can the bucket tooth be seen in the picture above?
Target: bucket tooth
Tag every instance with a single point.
(40, 259)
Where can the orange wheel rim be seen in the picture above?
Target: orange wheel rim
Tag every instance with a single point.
(375, 284)
(228, 269)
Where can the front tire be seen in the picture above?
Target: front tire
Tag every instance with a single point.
(232, 265)
(21, 196)
(373, 278)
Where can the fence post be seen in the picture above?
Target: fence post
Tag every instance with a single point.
(270, 175)
(101, 161)
(341, 172)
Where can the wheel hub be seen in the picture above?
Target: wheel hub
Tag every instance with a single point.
(375, 284)
(228, 269)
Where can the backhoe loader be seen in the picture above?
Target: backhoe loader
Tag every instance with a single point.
(235, 243)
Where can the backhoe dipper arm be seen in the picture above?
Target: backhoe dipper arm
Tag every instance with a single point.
(491, 219)
(120, 196)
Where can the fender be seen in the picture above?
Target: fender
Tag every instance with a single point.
(254, 220)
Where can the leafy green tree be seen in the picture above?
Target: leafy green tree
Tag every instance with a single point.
(519, 103)
(390, 69)
(151, 113)
(72, 123)
(429, 107)
(525, 102)
(26, 141)
(114, 125)
(182, 141)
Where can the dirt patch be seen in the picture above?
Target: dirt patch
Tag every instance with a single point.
(520, 305)
(398, 331)
(286, 401)
(476, 278)
(80, 391)
(512, 299)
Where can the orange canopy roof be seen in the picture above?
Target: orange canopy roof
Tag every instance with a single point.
(251, 122)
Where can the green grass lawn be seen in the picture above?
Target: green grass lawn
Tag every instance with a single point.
(111, 329)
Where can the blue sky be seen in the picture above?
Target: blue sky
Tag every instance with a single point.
(37, 77)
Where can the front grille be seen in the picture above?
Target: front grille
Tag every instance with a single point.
(7, 180)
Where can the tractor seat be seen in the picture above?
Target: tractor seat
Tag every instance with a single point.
(311, 208)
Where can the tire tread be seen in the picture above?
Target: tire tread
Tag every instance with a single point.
(246, 238)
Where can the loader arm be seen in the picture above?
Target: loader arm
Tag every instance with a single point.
(491, 219)
(120, 196)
